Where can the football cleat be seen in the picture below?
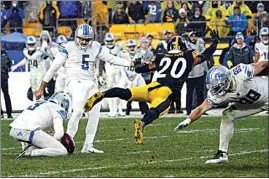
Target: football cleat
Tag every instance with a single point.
(93, 100)
(27, 151)
(219, 157)
(138, 131)
(92, 150)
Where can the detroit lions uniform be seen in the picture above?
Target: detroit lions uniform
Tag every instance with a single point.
(250, 95)
(80, 68)
(29, 126)
(263, 50)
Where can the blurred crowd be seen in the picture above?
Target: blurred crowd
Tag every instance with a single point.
(229, 17)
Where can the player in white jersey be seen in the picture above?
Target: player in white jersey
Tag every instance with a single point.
(60, 79)
(35, 57)
(246, 94)
(79, 59)
(129, 78)
(30, 125)
(112, 73)
(262, 47)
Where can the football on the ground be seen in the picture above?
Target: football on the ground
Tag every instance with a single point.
(68, 142)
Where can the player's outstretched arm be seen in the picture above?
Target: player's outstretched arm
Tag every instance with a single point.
(58, 128)
(145, 68)
(259, 67)
(21, 63)
(195, 114)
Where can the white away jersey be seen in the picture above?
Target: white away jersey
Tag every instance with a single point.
(263, 50)
(40, 115)
(115, 51)
(128, 72)
(36, 59)
(249, 89)
(81, 64)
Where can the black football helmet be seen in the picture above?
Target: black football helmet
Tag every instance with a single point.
(177, 43)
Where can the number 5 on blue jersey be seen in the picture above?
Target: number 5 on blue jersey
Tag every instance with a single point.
(85, 62)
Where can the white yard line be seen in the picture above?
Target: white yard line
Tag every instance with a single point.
(135, 164)
(139, 152)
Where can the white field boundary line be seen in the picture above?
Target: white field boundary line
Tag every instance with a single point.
(240, 130)
(134, 164)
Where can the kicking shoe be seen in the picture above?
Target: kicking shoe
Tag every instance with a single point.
(93, 100)
(138, 131)
(27, 151)
(219, 157)
(92, 150)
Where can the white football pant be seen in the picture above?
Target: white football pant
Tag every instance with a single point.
(46, 144)
(79, 92)
(36, 80)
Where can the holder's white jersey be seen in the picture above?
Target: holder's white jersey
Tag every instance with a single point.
(248, 89)
(263, 50)
(40, 115)
(129, 72)
(36, 60)
(115, 51)
(81, 64)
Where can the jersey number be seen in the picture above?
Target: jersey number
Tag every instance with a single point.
(85, 63)
(166, 62)
(237, 70)
(152, 9)
(31, 108)
(34, 63)
(251, 97)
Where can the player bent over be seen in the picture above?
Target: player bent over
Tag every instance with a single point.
(29, 127)
(246, 94)
(173, 68)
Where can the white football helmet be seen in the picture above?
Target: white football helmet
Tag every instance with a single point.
(264, 35)
(218, 80)
(31, 43)
(84, 36)
(61, 99)
(131, 46)
(61, 39)
(109, 40)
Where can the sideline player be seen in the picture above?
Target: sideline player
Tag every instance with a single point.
(35, 57)
(245, 93)
(173, 68)
(262, 48)
(29, 127)
(79, 59)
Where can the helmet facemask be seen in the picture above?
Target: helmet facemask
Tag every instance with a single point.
(110, 44)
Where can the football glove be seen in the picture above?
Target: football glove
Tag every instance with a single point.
(214, 35)
(183, 124)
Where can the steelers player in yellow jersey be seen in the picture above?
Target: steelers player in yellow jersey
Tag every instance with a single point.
(173, 68)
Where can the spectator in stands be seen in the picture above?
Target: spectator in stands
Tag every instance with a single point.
(217, 23)
(99, 14)
(237, 21)
(187, 7)
(110, 5)
(170, 14)
(214, 7)
(69, 10)
(13, 15)
(196, 78)
(124, 4)
(253, 5)
(136, 12)
(48, 15)
(162, 46)
(149, 39)
(182, 22)
(5, 68)
(153, 11)
(197, 23)
(243, 8)
(164, 5)
(261, 13)
(32, 10)
(240, 52)
(226, 4)
(120, 16)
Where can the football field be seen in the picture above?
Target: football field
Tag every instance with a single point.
(165, 153)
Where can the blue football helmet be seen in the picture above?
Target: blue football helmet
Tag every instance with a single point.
(61, 99)
(84, 36)
(109, 40)
(31, 43)
(131, 46)
(218, 80)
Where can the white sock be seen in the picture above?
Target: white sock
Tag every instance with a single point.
(226, 132)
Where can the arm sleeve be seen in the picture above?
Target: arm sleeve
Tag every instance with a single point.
(60, 59)
(21, 63)
(104, 55)
(208, 52)
(58, 128)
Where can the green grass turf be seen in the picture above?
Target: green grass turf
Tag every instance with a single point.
(164, 153)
